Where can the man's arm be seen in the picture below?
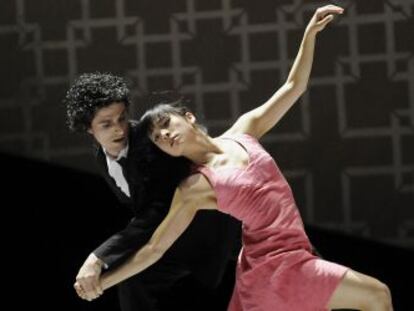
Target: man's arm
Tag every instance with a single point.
(149, 202)
(118, 248)
(150, 207)
(194, 194)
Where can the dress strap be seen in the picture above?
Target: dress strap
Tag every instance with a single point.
(246, 141)
(206, 172)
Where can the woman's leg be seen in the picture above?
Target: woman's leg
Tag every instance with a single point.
(361, 292)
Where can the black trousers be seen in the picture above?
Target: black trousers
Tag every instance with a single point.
(148, 290)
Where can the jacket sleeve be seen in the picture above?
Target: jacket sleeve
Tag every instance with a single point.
(150, 206)
(139, 230)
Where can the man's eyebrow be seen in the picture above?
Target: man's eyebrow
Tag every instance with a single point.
(104, 121)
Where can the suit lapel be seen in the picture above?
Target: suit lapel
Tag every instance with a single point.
(101, 159)
(134, 159)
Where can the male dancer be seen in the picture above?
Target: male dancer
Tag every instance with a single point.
(98, 104)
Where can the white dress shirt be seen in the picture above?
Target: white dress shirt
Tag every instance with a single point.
(115, 170)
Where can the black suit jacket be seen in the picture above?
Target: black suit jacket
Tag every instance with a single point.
(204, 248)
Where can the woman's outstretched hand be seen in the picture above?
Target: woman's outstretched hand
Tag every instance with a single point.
(322, 17)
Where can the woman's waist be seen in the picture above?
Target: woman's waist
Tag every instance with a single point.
(275, 238)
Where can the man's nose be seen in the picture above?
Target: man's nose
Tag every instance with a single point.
(119, 129)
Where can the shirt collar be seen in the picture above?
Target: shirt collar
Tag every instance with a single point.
(122, 154)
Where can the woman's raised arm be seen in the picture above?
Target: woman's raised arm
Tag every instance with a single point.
(263, 118)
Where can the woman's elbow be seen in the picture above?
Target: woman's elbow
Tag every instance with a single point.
(302, 88)
(299, 87)
(157, 250)
(154, 251)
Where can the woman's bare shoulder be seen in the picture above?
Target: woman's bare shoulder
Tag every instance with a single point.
(195, 182)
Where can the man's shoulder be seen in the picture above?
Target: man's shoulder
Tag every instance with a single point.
(99, 156)
(134, 127)
(136, 138)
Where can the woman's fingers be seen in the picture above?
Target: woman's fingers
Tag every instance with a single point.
(327, 19)
(322, 12)
(323, 16)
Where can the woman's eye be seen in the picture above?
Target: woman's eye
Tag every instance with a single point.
(166, 122)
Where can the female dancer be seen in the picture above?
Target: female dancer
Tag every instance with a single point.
(276, 269)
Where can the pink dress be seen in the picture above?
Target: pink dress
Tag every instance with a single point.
(276, 269)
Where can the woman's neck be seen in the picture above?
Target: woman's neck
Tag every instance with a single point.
(203, 149)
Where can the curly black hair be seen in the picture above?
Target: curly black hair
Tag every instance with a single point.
(89, 93)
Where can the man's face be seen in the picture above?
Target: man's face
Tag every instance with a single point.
(109, 127)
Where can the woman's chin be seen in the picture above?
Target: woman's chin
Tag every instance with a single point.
(175, 153)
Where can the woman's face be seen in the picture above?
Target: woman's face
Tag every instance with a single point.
(171, 133)
(110, 127)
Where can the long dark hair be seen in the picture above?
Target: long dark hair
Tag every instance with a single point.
(181, 167)
(178, 167)
(159, 113)
(157, 167)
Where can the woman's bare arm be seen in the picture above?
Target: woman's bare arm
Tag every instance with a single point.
(263, 118)
(194, 194)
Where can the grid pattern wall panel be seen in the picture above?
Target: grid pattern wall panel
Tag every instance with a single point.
(347, 147)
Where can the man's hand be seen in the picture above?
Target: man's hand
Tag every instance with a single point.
(322, 17)
(87, 284)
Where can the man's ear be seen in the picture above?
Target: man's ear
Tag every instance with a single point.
(89, 130)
